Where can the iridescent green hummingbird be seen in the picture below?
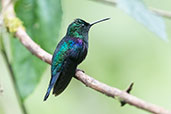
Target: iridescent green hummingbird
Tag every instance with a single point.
(69, 53)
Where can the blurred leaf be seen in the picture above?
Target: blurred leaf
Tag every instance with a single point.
(42, 19)
(138, 10)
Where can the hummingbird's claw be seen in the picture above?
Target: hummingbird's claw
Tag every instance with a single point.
(80, 70)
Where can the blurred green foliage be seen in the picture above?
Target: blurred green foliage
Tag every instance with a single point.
(121, 51)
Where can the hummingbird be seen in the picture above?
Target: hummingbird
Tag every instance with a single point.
(69, 53)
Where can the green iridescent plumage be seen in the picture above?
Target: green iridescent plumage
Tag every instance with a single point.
(78, 29)
(70, 52)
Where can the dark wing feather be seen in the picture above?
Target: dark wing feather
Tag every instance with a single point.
(57, 63)
(67, 49)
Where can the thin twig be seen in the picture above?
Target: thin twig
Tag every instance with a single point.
(89, 81)
(163, 13)
(14, 82)
(1, 89)
(160, 12)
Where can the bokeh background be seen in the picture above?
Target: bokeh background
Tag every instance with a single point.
(121, 51)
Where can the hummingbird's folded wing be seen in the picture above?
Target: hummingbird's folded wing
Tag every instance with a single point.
(58, 59)
(65, 50)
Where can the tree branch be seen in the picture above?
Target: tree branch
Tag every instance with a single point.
(85, 79)
(160, 12)
(32, 46)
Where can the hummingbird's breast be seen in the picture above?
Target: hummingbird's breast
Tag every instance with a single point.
(80, 50)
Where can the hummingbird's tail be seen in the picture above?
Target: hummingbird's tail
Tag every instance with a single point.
(47, 93)
(51, 85)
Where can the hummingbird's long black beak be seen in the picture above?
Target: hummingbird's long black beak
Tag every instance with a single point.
(99, 21)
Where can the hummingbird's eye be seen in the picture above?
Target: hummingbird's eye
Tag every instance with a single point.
(79, 21)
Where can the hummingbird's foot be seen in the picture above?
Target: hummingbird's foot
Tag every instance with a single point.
(128, 90)
(80, 70)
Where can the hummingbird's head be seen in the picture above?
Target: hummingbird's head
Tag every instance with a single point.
(80, 28)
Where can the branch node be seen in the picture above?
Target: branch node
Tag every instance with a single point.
(12, 23)
(128, 90)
